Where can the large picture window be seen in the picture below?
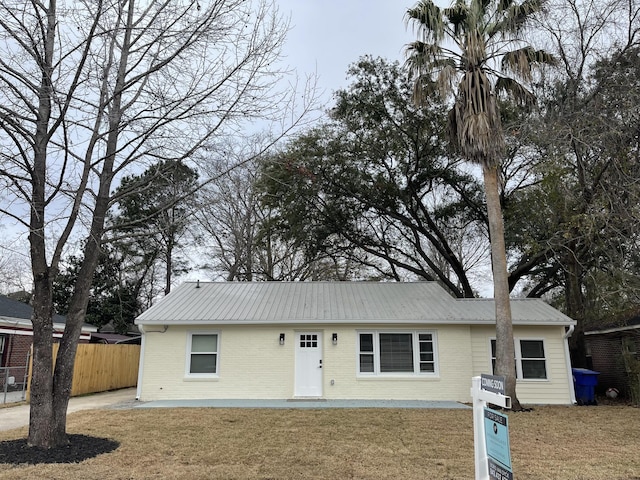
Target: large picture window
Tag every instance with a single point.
(388, 353)
(202, 355)
(531, 363)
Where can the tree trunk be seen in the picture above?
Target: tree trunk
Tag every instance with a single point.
(575, 307)
(169, 264)
(505, 354)
(41, 433)
(65, 359)
(40, 403)
(47, 425)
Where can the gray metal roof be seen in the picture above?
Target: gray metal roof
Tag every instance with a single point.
(333, 303)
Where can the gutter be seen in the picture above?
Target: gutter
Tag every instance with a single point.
(572, 391)
(612, 330)
(140, 362)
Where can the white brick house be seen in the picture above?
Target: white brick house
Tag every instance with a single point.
(342, 340)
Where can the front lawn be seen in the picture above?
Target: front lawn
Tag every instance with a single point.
(587, 443)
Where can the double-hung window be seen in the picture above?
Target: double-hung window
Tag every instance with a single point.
(402, 353)
(202, 354)
(531, 362)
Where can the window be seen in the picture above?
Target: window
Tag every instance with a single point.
(396, 353)
(308, 340)
(2, 340)
(202, 354)
(530, 360)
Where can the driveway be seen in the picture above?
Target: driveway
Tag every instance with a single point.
(18, 416)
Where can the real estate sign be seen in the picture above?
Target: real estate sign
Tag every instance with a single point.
(496, 436)
(498, 472)
(491, 429)
(492, 383)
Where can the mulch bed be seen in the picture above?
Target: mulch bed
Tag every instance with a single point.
(80, 448)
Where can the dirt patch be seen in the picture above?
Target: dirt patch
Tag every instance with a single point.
(80, 448)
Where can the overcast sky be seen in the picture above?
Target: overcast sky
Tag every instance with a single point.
(328, 35)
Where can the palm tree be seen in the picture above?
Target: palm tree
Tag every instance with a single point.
(474, 52)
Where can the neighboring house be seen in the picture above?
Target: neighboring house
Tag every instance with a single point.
(342, 340)
(16, 332)
(614, 351)
(107, 334)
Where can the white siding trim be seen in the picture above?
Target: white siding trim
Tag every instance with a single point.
(416, 374)
(188, 376)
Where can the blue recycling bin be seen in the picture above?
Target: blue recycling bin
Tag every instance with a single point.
(585, 381)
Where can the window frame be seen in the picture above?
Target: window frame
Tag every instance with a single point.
(518, 360)
(415, 343)
(188, 349)
(4, 339)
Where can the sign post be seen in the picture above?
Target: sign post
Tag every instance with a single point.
(490, 429)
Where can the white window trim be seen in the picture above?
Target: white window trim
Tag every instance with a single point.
(416, 355)
(518, 359)
(187, 364)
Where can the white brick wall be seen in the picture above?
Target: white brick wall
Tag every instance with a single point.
(252, 364)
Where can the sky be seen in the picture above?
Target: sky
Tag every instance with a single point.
(326, 36)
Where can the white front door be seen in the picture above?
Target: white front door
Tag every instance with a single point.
(308, 364)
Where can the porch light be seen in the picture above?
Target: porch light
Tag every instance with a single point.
(334, 338)
(282, 339)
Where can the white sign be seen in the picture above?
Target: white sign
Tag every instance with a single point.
(487, 467)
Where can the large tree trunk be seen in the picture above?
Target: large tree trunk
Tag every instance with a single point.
(574, 298)
(51, 389)
(51, 392)
(41, 407)
(505, 354)
(65, 359)
(40, 403)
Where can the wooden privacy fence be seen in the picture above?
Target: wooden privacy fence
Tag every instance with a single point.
(100, 367)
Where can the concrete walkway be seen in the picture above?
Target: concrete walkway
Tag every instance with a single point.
(18, 416)
(299, 403)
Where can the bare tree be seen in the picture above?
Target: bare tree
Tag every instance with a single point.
(92, 90)
(13, 264)
(588, 130)
(238, 236)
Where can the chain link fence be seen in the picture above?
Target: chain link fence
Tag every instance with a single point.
(13, 384)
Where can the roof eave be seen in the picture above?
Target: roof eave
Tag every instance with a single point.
(613, 330)
(351, 322)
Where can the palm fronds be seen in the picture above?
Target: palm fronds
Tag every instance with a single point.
(480, 29)
(520, 61)
(428, 18)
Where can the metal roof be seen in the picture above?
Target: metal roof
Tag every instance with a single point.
(333, 303)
